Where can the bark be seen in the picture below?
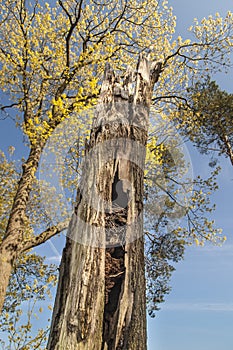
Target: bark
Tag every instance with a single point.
(5, 272)
(100, 302)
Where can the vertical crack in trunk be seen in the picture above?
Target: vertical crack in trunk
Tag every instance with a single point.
(114, 263)
(114, 283)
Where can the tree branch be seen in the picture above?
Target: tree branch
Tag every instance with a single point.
(2, 108)
(44, 236)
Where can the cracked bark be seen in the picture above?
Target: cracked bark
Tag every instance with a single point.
(100, 302)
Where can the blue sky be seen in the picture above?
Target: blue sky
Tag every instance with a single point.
(198, 313)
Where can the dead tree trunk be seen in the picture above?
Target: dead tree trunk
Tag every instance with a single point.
(100, 301)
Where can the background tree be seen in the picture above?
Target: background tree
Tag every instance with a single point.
(31, 279)
(208, 118)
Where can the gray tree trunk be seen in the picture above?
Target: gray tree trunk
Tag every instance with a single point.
(100, 302)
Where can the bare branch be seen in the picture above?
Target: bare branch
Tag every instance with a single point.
(44, 236)
(72, 27)
(177, 52)
(170, 98)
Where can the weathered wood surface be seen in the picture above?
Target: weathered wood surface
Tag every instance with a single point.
(100, 302)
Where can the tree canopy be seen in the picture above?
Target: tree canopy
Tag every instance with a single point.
(208, 115)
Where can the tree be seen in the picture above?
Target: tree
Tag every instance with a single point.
(51, 61)
(30, 285)
(210, 110)
(31, 279)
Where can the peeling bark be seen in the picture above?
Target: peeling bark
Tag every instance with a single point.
(100, 302)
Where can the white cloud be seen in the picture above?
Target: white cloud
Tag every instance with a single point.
(202, 306)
